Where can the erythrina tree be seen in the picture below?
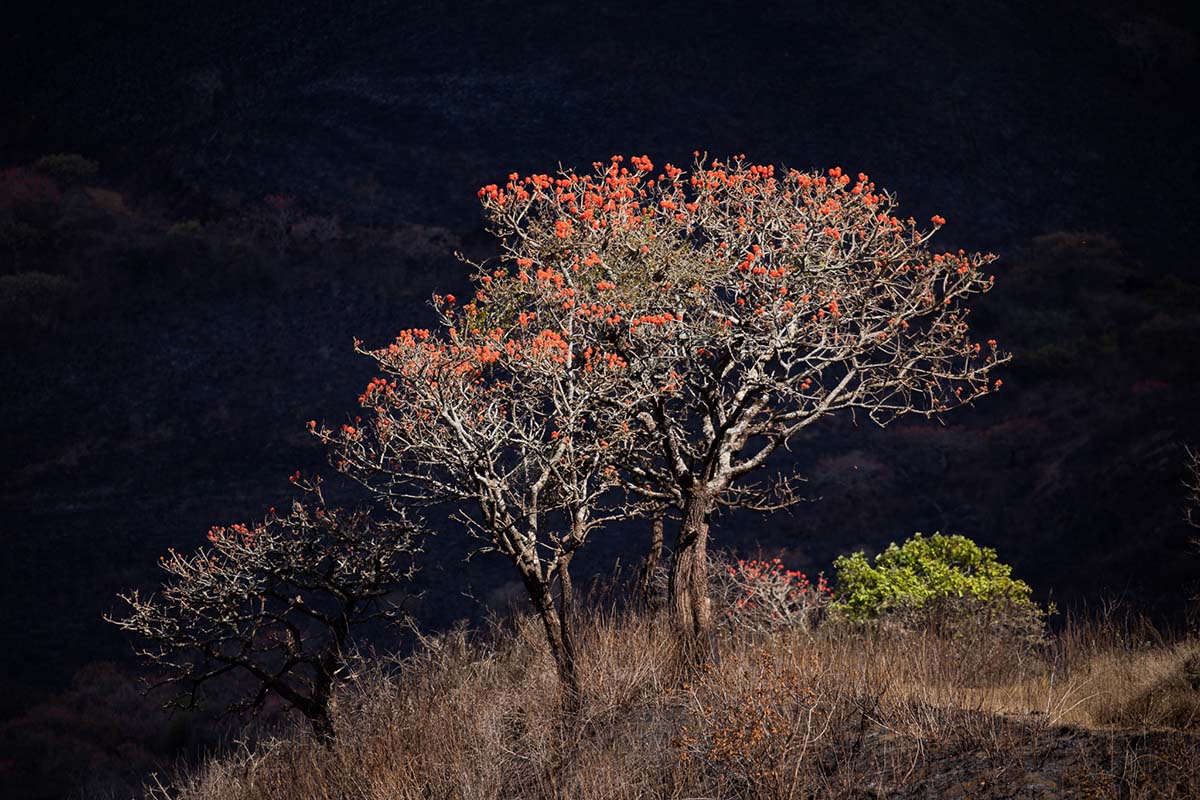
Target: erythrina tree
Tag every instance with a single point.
(275, 601)
(501, 414)
(748, 303)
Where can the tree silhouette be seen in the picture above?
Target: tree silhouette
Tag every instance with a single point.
(275, 601)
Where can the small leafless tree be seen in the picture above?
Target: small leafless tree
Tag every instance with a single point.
(275, 601)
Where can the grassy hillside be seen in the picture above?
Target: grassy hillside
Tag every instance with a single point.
(1100, 711)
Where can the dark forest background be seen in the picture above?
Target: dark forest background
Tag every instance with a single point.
(273, 179)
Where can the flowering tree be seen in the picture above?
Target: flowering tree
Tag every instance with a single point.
(504, 413)
(275, 601)
(747, 304)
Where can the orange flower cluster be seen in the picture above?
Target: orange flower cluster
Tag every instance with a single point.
(655, 319)
(550, 276)
(614, 361)
(377, 390)
(236, 534)
(599, 311)
(642, 163)
(486, 354)
(551, 344)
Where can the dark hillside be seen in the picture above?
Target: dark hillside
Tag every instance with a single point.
(168, 328)
(1020, 117)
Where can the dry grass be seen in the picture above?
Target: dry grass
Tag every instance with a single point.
(1133, 681)
(1094, 713)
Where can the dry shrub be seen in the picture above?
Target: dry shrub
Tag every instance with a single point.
(763, 595)
(780, 723)
(985, 643)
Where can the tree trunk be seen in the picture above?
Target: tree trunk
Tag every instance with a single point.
(646, 587)
(558, 636)
(566, 624)
(322, 724)
(331, 660)
(690, 609)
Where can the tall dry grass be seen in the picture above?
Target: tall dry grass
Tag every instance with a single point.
(1097, 711)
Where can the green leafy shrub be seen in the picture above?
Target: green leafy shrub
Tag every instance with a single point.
(949, 588)
(920, 571)
(946, 583)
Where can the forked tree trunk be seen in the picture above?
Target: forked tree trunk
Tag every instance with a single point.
(688, 604)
